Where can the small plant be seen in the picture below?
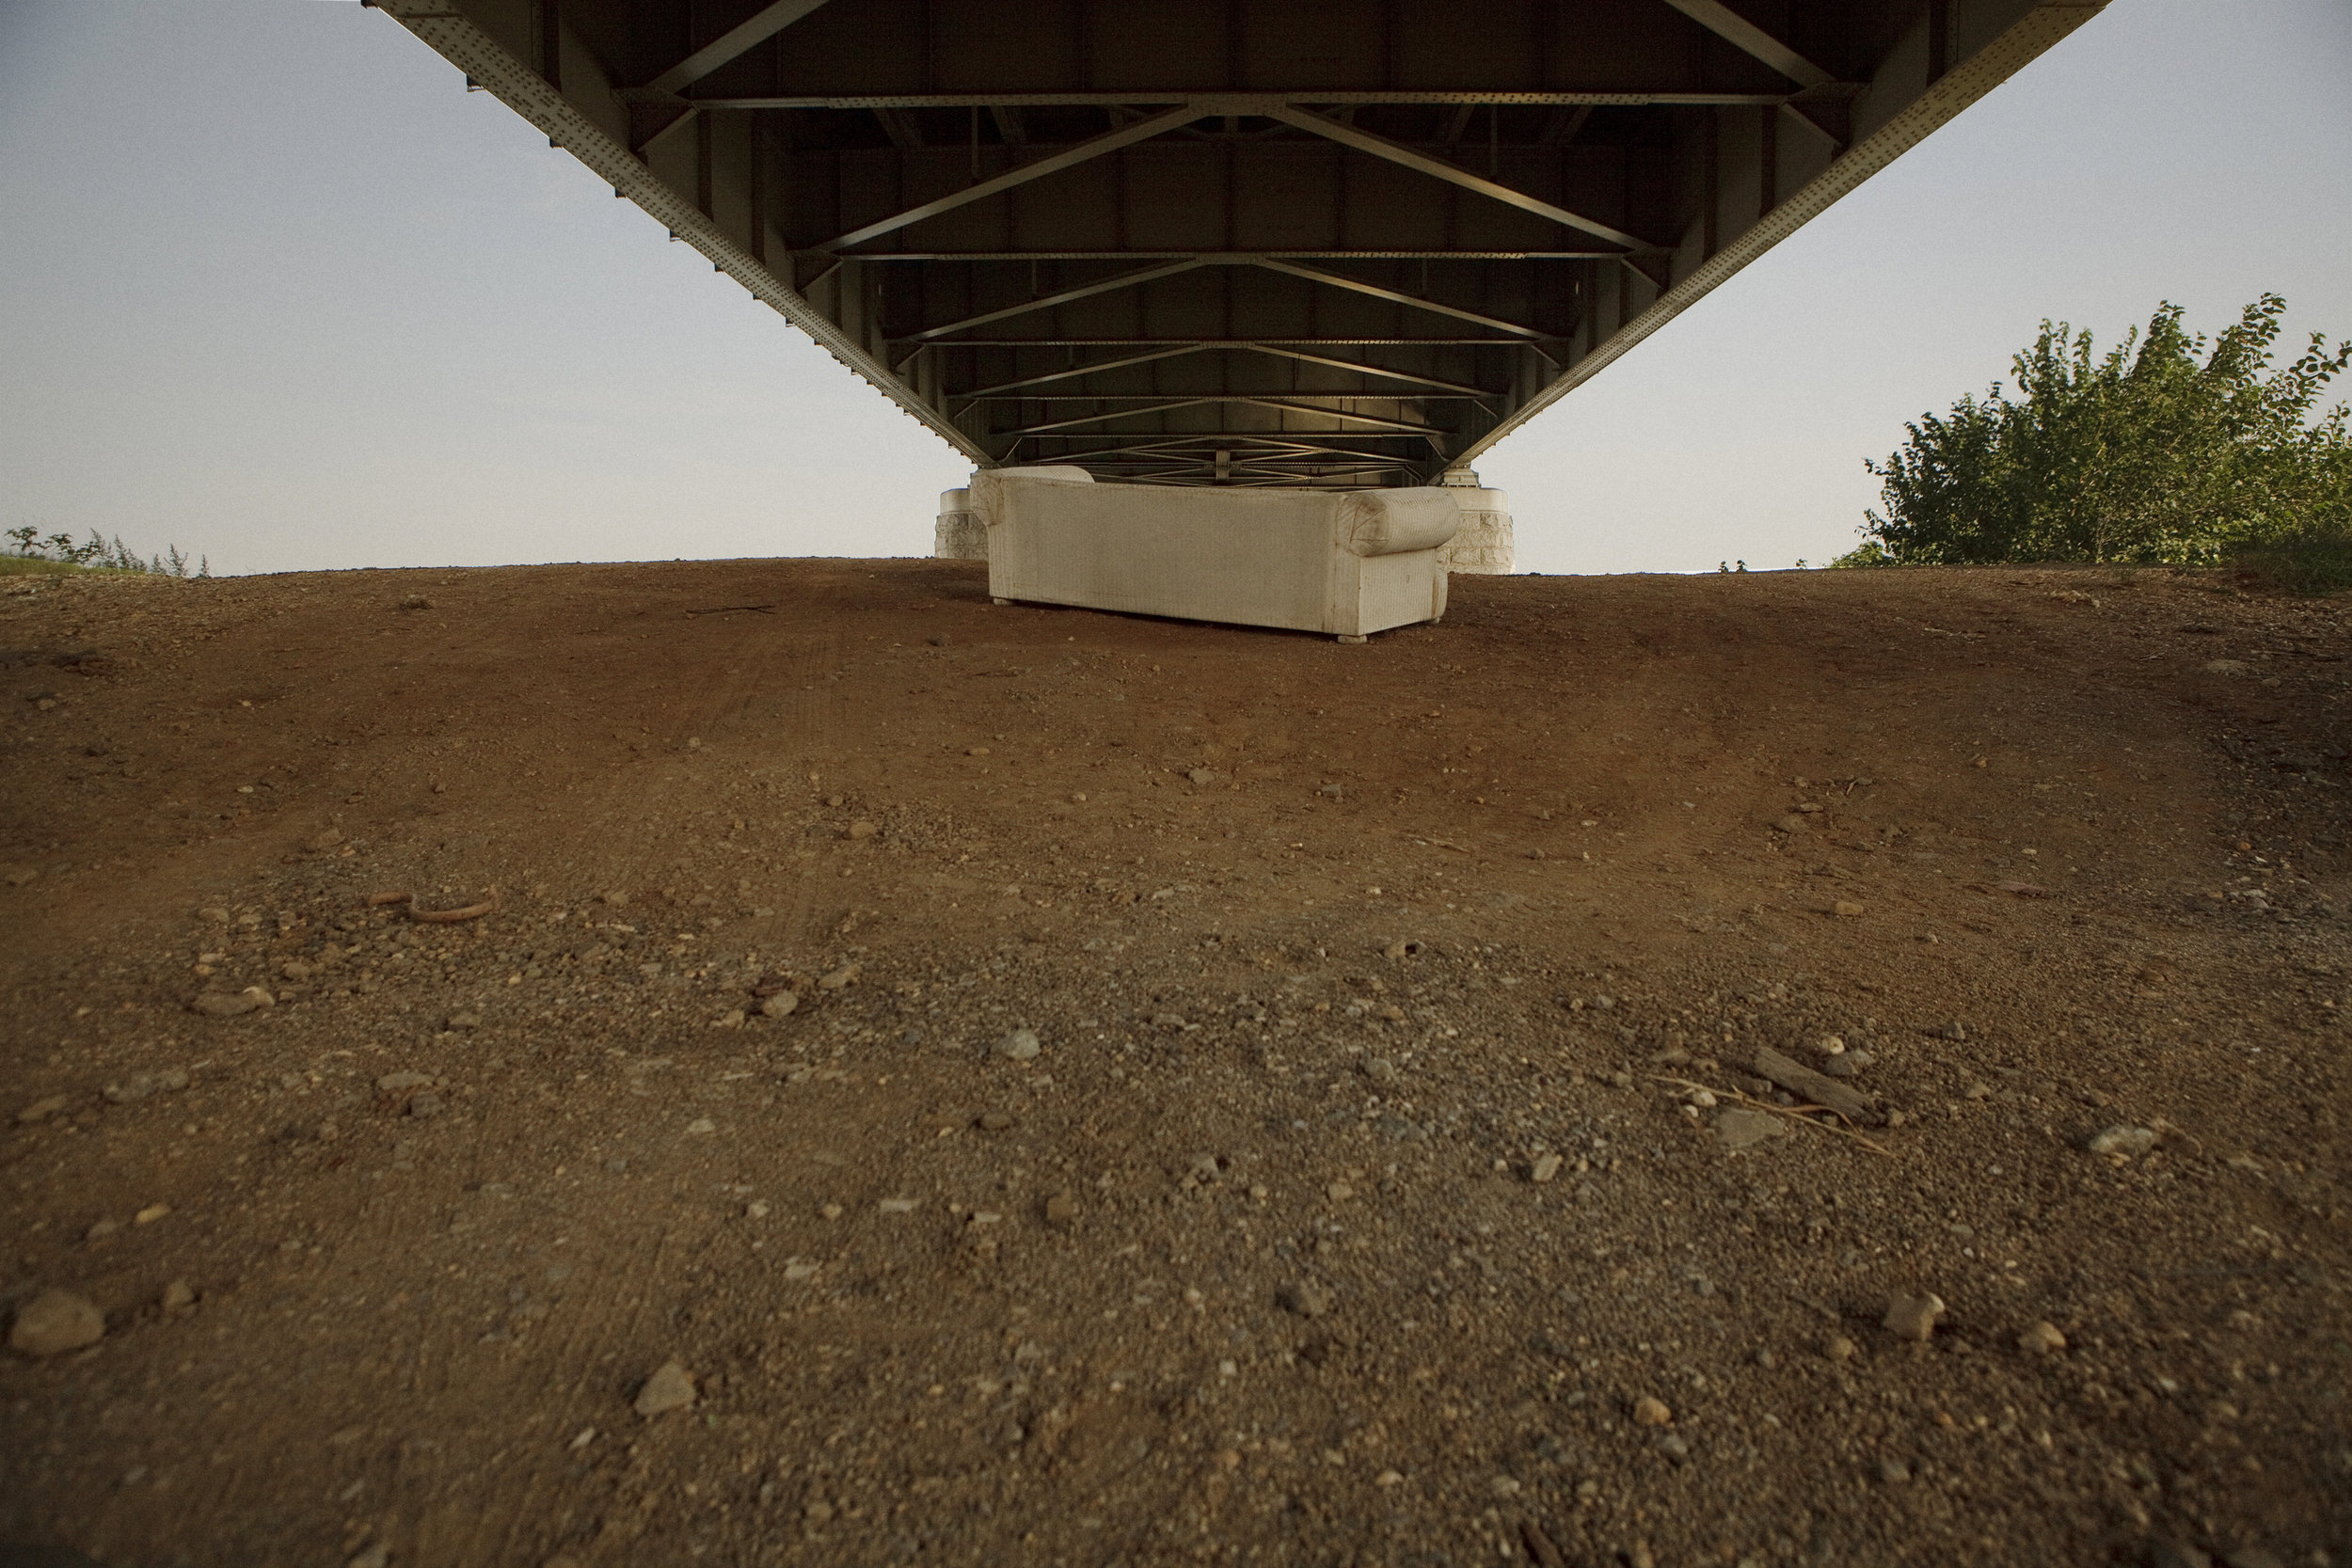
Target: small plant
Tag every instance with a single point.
(58, 552)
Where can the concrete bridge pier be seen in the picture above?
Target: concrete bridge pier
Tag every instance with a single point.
(1481, 546)
(960, 534)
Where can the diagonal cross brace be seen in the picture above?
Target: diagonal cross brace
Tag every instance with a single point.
(1397, 152)
(741, 38)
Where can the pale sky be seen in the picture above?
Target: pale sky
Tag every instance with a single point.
(274, 288)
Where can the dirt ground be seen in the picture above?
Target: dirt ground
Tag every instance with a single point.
(1393, 1181)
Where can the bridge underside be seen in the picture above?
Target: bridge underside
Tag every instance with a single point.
(1251, 242)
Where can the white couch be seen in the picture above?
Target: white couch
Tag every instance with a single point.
(1347, 562)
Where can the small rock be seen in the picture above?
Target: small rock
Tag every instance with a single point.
(1675, 1448)
(2123, 1140)
(1651, 1412)
(839, 978)
(755, 1210)
(862, 831)
(1547, 1168)
(1745, 1129)
(1060, 1209)
(1913, 1317)
(1791, 823)
(1332, 792)
(41, 1109)
(425, 1105)
(1893, 1471)
(671, 1388)
(100, 1230)
(1381, 1070)
(1307, 1299)
(379, 1555)
(975, 751)
(995, 1121)
(1847, 909)
(18, 876)
(461, 1022)
(150, 1214)
(1950, 1030)
(1202, 776)
(731, 1018)
(1020, 1046)
(614, 899)
(1338, 1191)
(325, 839)
(56, 1322)
(897, 1206)
(2043, 1338)
(1840, 1349)
(141, 1084)
(416, 601)
(829, 1210)
(178, 1296)
(702, 1124)
(780, 1005)
(214, 1003)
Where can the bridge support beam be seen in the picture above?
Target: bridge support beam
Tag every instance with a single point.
(960, 534)
(1481, 546)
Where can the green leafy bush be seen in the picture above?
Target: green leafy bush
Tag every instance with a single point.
(59, 553)
(2168, 449)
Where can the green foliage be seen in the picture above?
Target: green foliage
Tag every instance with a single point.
(59, 553)
(1869, 553)
(2168, 449)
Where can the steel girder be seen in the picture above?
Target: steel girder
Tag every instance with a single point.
(1255, 241)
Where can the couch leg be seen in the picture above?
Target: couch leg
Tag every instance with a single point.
(1349, 637)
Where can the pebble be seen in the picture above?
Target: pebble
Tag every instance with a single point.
(425, 1105)
(150, 1214)
(829, 1210)
(43, 1109)
(1848, 908)
(1894, 1472)
(178, 1296)
(2041, 1339)
(1547, 1168)
(380, 1554)
(698, 1126)
(1202, 776)
(862, 829)
(671, 1388)
(1307, 1299)
(731, 1018)
(1650, 1411)
(1913, 1317)
(141, 1084)
(1060, 1209)
(1332, 792)
(1338, 1191)
(2123, 1140)
(995, 1121)
(755, 1210)
(1020, 1046)
(1951, 1029)
(1745, 1129)
(464, 1020)
(1840, 1349)
(1675, 1448)
(780, 1005)
(325, 839)
(56, 1322)
(217, 1003)
(839, 978)
(1847, 1064)
(898, 1206)
(1381, 1070)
